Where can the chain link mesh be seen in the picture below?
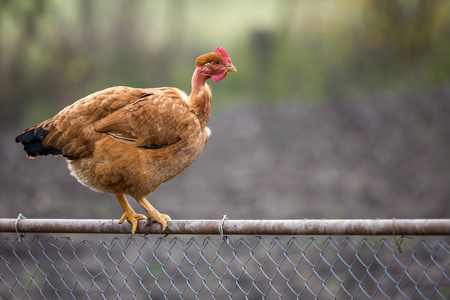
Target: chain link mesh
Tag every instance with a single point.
(241, 268)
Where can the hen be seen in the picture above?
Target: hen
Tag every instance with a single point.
(127, 141)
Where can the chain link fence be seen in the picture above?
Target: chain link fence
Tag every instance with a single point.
(205, 267)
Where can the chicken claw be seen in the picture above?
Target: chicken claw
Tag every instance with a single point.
(129, 214)
(133, 218)
(158, 218)
(152, 214)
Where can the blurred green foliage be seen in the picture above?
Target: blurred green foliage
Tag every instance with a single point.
(55, 52)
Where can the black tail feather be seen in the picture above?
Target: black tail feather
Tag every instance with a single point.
(32, 140)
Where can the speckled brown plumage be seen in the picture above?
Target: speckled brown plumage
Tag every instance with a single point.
(127, 141)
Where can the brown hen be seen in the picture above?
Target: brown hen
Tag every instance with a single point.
(127, 141)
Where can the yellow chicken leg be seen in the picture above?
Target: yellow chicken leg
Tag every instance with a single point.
(153, 214)
(129, 214)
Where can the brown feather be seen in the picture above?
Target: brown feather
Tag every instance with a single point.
(105, 136)
(208, 58)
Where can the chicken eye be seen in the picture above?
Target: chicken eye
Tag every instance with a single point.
(216, 62)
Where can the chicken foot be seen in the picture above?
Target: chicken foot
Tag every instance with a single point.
(129, 214)
(152, 214)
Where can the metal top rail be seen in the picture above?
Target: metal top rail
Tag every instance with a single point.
(236, 227)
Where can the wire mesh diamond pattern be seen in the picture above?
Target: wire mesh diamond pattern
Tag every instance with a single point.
(209, 267)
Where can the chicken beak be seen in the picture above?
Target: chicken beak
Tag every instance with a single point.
(231, 68)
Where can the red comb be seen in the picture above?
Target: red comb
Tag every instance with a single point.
(222, 52)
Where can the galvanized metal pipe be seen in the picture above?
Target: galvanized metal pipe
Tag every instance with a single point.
(237, 227)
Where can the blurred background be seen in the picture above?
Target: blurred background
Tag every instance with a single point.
(339, 109)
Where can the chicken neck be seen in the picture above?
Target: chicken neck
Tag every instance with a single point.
(201, 98)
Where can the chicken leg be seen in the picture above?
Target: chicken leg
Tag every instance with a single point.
(129, 214)
(152, 214)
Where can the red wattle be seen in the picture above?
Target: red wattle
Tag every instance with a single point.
(219, 77)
